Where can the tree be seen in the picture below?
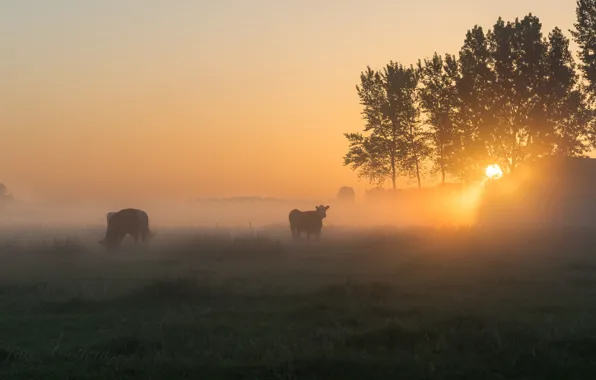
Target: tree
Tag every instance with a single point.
(566, 105)
(509, 97)
(518, 51)
(346, 193)
(375, 157)
(401, 85)
(585, 37)
(376, 194)
(438, 101)
(474, 124)
(396, 142)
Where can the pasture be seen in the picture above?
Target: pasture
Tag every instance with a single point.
(359, 304)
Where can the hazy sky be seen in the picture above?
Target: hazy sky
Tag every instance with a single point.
(186, 98)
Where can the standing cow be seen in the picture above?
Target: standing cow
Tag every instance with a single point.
(310, 222)
(127, 221)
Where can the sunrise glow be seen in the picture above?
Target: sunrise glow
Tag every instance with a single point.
(493, 171)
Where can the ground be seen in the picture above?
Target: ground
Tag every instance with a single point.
(363, 304)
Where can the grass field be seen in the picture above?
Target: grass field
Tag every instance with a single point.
(360, 304)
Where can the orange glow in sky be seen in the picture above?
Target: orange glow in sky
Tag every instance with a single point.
(186, 99)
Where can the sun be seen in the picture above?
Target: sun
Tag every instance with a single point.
(493, 171)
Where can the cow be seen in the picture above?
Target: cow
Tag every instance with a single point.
(109, 216)
(126, 221)
(310, 222)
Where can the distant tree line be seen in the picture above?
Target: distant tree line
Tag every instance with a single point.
(346, 194)
(511, 95)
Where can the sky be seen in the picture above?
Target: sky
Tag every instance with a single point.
(184, 99)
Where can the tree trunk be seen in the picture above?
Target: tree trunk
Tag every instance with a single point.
(393, 171)
(418, 174)
(415, 155)
(442, 161)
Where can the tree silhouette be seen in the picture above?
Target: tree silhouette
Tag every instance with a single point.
(346, 193)
(585, 37)
(519, 55)
(395, 142)
(375, 156)
(511, 96)
(475, 97)
(566, 105)
(404, 114)
(438, 101)
(375, 194)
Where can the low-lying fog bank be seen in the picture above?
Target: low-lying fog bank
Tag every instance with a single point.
(429, 207)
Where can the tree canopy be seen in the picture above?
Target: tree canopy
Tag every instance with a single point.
(511, 95)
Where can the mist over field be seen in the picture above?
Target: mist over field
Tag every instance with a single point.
(153, 156)
(366, 302)
(399, 283)
(432, 207)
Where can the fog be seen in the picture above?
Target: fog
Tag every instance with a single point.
(426, 207)
(553, 192)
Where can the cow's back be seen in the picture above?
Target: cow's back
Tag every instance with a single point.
(294, 216)
(127, 221)
(311, 221)
(305, 220)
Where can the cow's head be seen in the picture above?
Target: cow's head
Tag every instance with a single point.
(109, 216)
(322, 211)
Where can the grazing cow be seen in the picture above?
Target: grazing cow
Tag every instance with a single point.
(310, 222)
(127, 221)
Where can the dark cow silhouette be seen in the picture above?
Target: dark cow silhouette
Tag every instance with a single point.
(310, 222)
(127, 221)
